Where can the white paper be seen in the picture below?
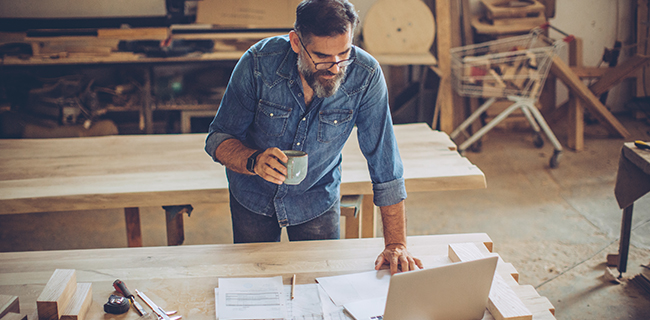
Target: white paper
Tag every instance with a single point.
(310, 303)
(357, 286)
(330, 310)
(251, 298)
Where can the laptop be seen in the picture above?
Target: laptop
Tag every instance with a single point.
(458, 291)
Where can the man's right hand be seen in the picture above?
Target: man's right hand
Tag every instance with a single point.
(269, 165)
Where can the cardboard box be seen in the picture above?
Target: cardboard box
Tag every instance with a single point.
(247, 13)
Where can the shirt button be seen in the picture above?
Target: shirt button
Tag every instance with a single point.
(303, 119)
(336, 121)
(271, 114)
(300, 94)
(298, 143)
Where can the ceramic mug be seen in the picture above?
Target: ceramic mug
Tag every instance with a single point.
(296, 166)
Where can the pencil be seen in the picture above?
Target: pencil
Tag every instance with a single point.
(293, 286)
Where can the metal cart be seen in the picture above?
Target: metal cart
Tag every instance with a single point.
(514, 68)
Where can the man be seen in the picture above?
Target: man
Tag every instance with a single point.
(306, 91)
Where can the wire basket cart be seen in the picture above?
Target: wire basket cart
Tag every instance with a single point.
(514, 68)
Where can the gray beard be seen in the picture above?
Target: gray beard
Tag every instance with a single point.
(323, 88)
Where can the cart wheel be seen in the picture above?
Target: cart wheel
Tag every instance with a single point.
(477, 146)
(555, 159)
(538, 140)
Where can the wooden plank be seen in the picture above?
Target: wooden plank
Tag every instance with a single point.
(615, 75)
(445, 99)
(503, 302)
(80, 303)
(9, 304)
(57, 294)
(134, 33)
(563, 72)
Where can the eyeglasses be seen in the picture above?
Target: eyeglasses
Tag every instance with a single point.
(326, 65)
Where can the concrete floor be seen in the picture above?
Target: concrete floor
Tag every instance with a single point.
(555, 225)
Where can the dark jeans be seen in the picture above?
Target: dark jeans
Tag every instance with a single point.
(248, 226)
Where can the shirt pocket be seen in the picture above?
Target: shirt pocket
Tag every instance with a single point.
(333, 123)
(272, 118)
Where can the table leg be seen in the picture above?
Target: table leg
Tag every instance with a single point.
(624, 241)
(368, 218)
(175, 227)
(133, 230)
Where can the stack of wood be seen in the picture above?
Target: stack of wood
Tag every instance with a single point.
(63, 298)
(516, 75)
(506, 17)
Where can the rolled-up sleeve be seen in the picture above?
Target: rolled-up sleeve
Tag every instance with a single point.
(236, 111)
(378, 144)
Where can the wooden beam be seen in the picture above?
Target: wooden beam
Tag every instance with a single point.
(561, 70)
(445, 100)
(642, 48)
(575, 116)
(615, 75)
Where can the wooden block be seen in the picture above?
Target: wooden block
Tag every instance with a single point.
(80, 303)
(57, 294)
(14, 316)
(503, 302)
(8, 304)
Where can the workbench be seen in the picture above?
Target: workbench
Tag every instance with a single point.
(632, 183)
(184, 278)
(131, 171)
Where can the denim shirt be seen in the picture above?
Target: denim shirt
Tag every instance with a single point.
(264, 107)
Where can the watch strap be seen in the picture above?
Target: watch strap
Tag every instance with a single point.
(252, 160)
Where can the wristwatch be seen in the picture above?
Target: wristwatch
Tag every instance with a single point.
(250, 164)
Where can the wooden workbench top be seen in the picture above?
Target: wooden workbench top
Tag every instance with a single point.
(183, 278)
(45, 175)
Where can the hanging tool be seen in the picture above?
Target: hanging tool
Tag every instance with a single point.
(162, 314)
(123, 290)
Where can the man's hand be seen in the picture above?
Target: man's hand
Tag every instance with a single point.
(398, 258)
(269, 165)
